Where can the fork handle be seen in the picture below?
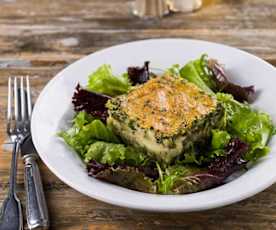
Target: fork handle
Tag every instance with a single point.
(11, 214)
(36, 208)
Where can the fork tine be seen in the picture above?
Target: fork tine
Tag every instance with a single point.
(9, 112)
(29, 98)
(15, 95)
(22, 99)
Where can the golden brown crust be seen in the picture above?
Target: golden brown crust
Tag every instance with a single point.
(167, 104)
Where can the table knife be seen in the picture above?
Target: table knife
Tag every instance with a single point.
(36, 207)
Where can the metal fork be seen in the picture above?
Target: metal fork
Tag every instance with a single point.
(18, 127)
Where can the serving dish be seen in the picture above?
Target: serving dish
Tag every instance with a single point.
(54, 109)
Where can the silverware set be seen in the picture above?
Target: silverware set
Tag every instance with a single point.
(19, 112)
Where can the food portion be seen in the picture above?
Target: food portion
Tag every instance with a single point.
(182, 132)
(164, 116)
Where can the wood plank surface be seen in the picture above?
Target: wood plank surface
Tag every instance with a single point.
(41, 37)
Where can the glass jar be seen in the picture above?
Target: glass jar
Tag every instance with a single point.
(150, 8)
(159, 8)
(184, 5)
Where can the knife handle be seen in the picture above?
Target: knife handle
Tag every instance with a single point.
(36, 207)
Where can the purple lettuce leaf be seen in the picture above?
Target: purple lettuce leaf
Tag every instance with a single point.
(215, 173)
(90, 102)
(139, 75)
(127, 176)
(223, 84)
(94, 167)
(232, 161)
(195, 183)
(149, 169)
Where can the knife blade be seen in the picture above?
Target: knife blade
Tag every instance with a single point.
(36, 207)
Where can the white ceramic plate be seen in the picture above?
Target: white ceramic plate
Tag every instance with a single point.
(53, 109)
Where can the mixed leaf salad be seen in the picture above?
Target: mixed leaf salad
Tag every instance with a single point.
(241, 135)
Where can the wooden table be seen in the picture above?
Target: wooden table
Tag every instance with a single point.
(41, 37)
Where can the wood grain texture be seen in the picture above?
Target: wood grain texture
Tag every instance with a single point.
(41, 37)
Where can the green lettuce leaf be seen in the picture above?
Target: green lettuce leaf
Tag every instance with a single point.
(81, 119)
(218, 142)
(194, 72)
(220, 139)
(174, 70)
(251, 126)
(169, 176)
(185, 179)
(103, 81)
(85, 131)
(274, 131)
(100, 131)
(190, 157)
(109, 153)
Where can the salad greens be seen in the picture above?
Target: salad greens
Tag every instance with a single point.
(103, 81)
(85, 131)
(202, 154)
(110, 153)
(210, 76)
(93, 140)
(174, 70)
(242, 135)
(171, 175)
(220, 138)
(253, 127)
(123, 175)
(195, 72)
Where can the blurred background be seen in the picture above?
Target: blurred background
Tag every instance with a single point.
(75, 28)
(41, 37)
